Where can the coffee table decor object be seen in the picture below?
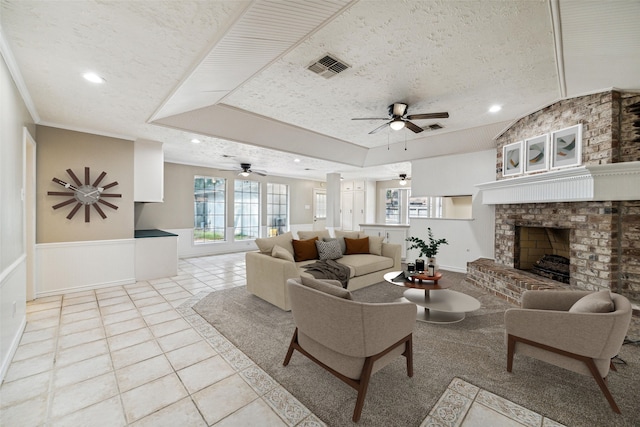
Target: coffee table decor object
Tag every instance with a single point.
(435, 303)
(420, 277)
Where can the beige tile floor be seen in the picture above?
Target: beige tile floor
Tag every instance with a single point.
(139, 355)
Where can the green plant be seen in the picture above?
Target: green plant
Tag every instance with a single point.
(427, 249)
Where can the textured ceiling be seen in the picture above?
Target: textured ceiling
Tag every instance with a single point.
(422, 54)
(163, 59)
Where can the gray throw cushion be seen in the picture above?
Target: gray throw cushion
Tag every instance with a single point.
(329, 250)
(327, 288)
(597, 302)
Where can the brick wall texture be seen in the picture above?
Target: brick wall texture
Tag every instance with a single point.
(604, 236)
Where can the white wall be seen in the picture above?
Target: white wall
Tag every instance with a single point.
(450, 176)
(78, 266)
(14, 116)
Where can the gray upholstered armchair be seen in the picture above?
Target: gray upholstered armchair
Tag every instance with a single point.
(350, 339)
(567, 330)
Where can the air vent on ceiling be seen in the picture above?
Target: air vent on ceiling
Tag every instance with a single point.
(328, 66)
(435, 126)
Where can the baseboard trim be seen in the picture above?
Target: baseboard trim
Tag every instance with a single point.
(89, 287)
(12, 349)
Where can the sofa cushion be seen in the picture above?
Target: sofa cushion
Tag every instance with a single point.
(332, 288)
(328, 250)
(340, 235)
(304, 250)
(363, 264)
(375, 244)
(597, 302)
(265, 245)
(282, 253)
(320, 234)
(356, 246)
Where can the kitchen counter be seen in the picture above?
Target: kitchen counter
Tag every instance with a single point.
(139, 234)
(156, 254)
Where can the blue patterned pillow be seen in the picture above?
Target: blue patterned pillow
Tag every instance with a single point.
(328, 250)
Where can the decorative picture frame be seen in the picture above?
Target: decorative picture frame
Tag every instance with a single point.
(566, 147)
(512, 159)
(536, 154)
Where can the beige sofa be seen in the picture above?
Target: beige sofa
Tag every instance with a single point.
(267, 274)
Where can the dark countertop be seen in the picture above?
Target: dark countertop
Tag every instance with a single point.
(152, 233)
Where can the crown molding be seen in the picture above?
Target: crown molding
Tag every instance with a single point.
(14, 70)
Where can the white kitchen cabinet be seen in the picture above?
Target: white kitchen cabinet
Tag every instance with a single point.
(148, 171)
(396, 234)
(356, 201)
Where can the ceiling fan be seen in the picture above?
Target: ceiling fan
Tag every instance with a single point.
(245, 170)
(399, 119)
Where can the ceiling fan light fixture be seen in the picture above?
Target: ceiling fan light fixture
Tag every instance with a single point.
(403, 179)
(397, 124)
(244, 173)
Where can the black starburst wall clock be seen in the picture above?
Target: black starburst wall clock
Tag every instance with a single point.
(85, 194)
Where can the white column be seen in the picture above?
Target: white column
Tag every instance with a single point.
(333, 202)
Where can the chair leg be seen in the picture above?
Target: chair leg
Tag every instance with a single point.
(602, 382)
(365, 376)
(294, 340)
(408, 354)
(511, 346)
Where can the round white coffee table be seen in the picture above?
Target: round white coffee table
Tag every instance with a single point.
(440, 304)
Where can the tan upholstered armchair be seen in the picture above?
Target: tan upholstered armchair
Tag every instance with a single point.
(350, 339)
(578, 340)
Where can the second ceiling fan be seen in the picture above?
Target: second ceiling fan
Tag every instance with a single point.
(400, 119)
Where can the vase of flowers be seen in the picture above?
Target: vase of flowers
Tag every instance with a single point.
(428, 249)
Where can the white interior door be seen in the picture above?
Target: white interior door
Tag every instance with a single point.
(319, 208)
(346, 208)
(358, 209)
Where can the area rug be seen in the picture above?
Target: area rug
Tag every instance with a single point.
(472, 350)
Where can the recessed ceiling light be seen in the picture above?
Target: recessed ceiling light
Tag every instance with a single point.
(495, 108)
(93, 78)
(196, 141)
(296, 160)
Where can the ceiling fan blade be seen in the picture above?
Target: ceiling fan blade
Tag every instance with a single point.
(443, 115)
(378, 129)
(413, 127)
(371, 118)
(259, 173)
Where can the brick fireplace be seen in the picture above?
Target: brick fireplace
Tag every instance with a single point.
(591, 212)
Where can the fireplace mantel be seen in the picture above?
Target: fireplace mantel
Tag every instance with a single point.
(609, 182)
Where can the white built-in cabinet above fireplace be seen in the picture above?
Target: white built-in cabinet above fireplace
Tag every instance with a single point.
(616, 181)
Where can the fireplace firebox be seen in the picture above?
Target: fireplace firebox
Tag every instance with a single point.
(543, 251)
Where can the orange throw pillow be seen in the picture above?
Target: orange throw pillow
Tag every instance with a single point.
(304, 250)
(356, 246)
